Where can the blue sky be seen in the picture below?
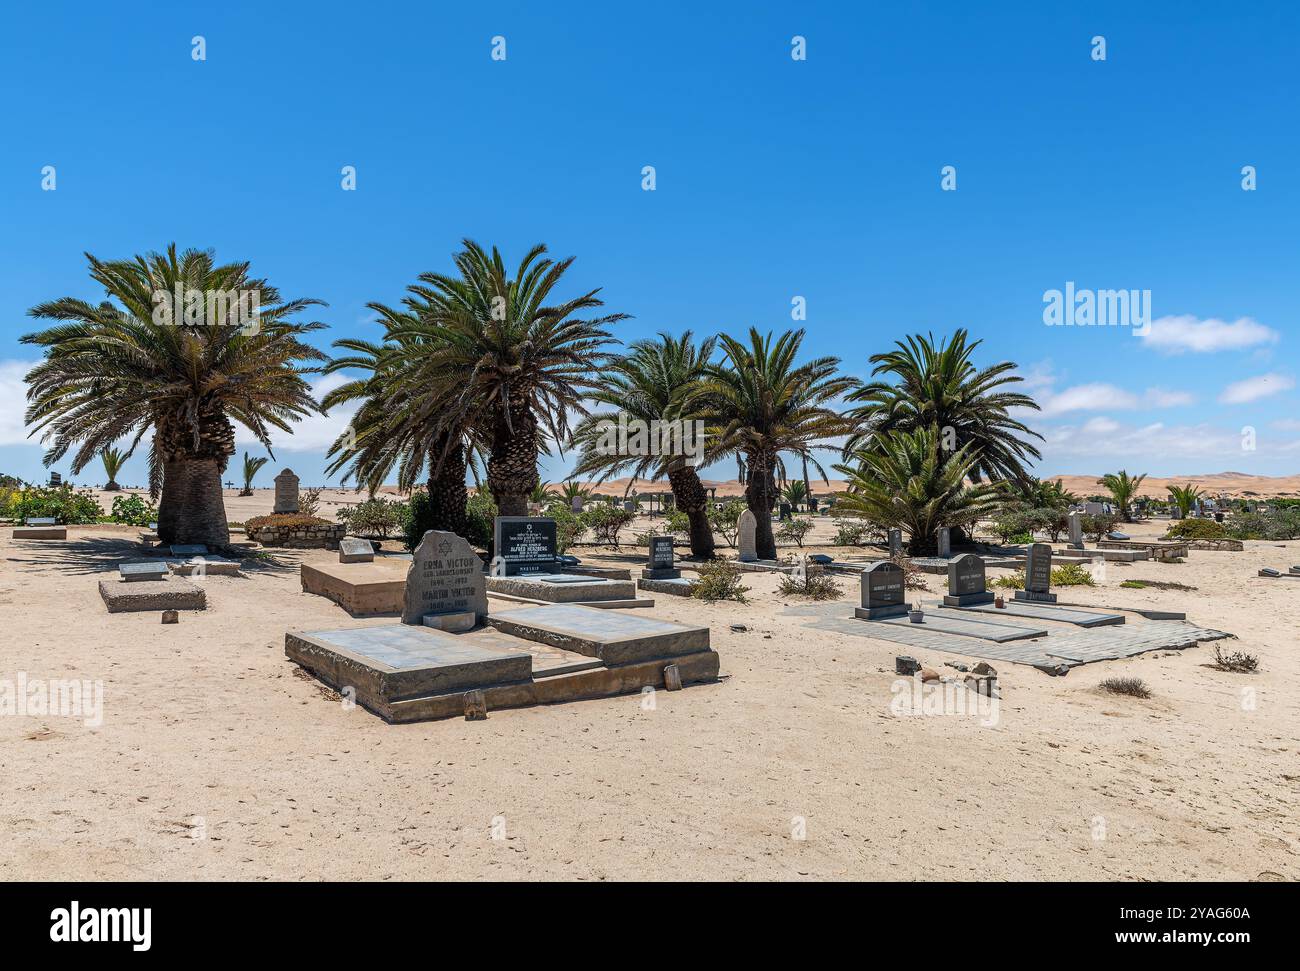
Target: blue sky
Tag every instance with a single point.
(775, 178)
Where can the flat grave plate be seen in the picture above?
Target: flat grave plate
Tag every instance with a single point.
(190, 549)
(134, 572)
(1066, 615)
(614, 637)
(41, 521)
(966, 627)
(405, 646)
(564, 578)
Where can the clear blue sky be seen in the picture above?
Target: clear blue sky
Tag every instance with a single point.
(775, 178)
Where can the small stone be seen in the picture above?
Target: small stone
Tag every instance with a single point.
(475, 706)
(171, 617)
(983, 668)
(929, 675)
(739, 628)
(673, 678)
(958, 665)
(906, 665)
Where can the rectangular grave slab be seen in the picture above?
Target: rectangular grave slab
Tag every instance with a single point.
(174, 593)
(362, 589)
(189, 549)
(615, 638)
(140, 572)
(562, 588)
(41, 521)
(356, 551)
(1036, 611)
(968, 627)
(40, 532)
(675, 586)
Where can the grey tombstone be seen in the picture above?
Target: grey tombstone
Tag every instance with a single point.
(945, 542)
(576, 504)
(882, 591)
(966, 582)
(660, 564)
(1038, 575)
(1269, 571)
(629, 505)
(445, 578)
(356, 551)
(286, 492)
(895, 542)
(746, 536)
(1093, 509)
(524, 544)
(1076, 529)
(135, 572)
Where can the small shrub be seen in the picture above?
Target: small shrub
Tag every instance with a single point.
(480, 511)
(913, 579)
(605, 522)
(1157, 584)
(719, 580)
(677, 523)
(283, 520)
(1133, 687)
(374, 517)
(134, 510)
(725, 519)
(62, 503)
(853, 532)
(1072, 575)
(1238, 661)
(1196, 529)
(1096, 527)
(1010, 581)
(812, 586)
(795, 530)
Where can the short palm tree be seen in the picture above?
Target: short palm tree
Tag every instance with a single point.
(795, 493)
(939, 387)
(251, 467)
(906, 479)
(651, 384)
(574, 490)
(113, 459)
(112, 371)
(493, 351)
(758, 403)
(1184, 498)
(1123, 489)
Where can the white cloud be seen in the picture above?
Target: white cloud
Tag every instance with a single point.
(13, 403)
(1100, 396)
(1106, 439)
(1252, 389)
(1179, 334)
(315, 433)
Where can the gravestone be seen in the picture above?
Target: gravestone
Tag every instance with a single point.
(895, 542)
(966, 582)
(785, 512)
(356, 551)
(1094, 509)
(660, 564)
(135, 572)
(1269, 571)
(1038, 575)
(189, 549)
(445, 578)
(746, 536)
(56, 480)
(1076, 529)
(524, 544)
(629, 505)
(945, 542)
(882, 591)
(286, 492)
(575, 504)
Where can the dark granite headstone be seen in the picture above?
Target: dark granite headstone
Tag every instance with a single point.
(524, 544)
(882, 591)
(660, 565)
(966, 582)
(445, 576)
(895, 541)
(1038, 575)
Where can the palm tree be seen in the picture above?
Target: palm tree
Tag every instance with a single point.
(795, 493)
(906, 479)
(541, 494)
(117, 370)
(939, 387)
(1122, 489)
(493, 351)
(574, 490)
(650, 384)
(1184, 498)
(113, 459)
(759, 403)
(251, 467)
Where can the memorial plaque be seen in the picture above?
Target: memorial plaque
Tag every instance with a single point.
(445, 576)
(525, 544)
(966, 582)
(192, 549)
(41, 521)
(286, 492)
(356, 551)
(661, 565)
(1038, 575)
(132, 572)
(882, 591)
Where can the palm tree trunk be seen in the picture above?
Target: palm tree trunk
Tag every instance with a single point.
(191, 509)
(760, 496)
(447, 491)
(807, 486)
(112, 486)
(690, 497)
(512, 463)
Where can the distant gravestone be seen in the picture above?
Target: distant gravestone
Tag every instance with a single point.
(575, 504)
(1094, 509)
(56, 480)
(524, 544)
(786, 512)
(882, 591)
(895, 542)
(660, 564)
(945, 542)
(286, 492)
(1076, 529)
(1038, 575)
(746, 536)
(356, 551)
(629, 505)
(134, 572)
(445, 577)
(966, 582)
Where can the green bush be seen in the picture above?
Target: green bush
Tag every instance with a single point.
(60, 502)
(677, 523)
(725, 519)
(794, 530)
(719, 580)
(605, 522)
(1196, 529)
(1279, 525)
(1072, 575)
(134, 510)
(376, 517)
(569, 527)
(480, 511)
(811, 586)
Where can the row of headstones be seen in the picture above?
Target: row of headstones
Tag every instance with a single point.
(883, 590)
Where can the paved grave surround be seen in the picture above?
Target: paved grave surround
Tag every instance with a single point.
(370, 589)
(173, 593)
(951, 622)
(747, 537)
(562, 587)
(967, 583)
(524, 545)
(1036, 611)
(445, 577)
(882, 591)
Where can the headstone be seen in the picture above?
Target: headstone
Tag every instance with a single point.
(475, 705)
(524, 544)
(171, 617)
(786, 512)
(882, 591)
(356, 551)
(660, 564)
(966, 582)
(673, 678)
(133, 572)
(445, 577)
(1038, 575)
(56, 480)
(1093, 508)
(945, 542)
(629, 505)
(1076, 529)
(576, 504)
(286, 492)
(895, 542)
(746, 538)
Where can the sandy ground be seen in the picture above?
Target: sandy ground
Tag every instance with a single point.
(219, 759)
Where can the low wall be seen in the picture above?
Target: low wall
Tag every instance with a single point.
(325, 536)
(1219, 545)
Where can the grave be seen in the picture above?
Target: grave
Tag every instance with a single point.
(746, 537)
(362, 589)
(40, 528)
(1037, 611)
(524, 545)
(356, 551)
(171, 593)
(660, 564)
(882, 591)
(945, 542)
(673, 586)
(445, 586)
(143, 571)
(1076, 529)
(286, 492)
(1038, 575)
(895, 542)
(952, 622)
(190, 549)
(967, 582)
(526, 568)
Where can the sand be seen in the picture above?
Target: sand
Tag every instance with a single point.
(219, 759)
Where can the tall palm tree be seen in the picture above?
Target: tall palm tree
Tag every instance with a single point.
(500, 355)
(650, 384)
(117, 370)
(1184, 497)
(759, 403)
(939, 387)
(907, 480)
(1123, 489)
(251, 467)
(113, 459)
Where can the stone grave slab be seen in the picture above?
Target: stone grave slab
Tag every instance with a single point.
(674, 586)
(356, 551)
(362, 589)
(614, 638)
(562, 588)
(143, 571)
(969, 627)
(446, 577)
(173, 593)
(40, 532)
(1036, 611)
